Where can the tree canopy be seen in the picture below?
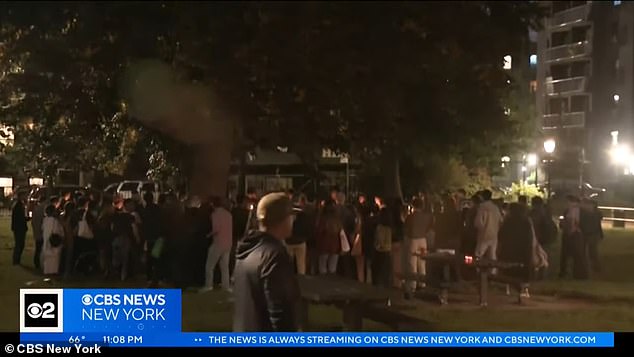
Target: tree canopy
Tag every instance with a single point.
(385, 81)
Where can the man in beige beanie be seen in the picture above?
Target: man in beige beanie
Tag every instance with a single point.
(265, 289)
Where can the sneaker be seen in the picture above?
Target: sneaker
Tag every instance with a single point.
(206, 289)
(525, 294)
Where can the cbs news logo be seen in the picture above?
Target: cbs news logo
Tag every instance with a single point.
(41, 310)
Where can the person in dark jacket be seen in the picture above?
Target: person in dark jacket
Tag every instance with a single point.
(303, 231)
(86, 244)
(592, 231)
(37, 222)
(515, 243)
(19, 227)
(266, 289)
(152, 231)
(240, 217)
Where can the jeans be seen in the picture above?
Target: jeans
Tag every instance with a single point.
(215, 254)
(486, 249)
(19, 238)
(37, 258)
(153, 266)
(298, 251)
(416, 265)
(593, 253)
(328, 263)
(381, 269)
(121, 250)
(573, 247)
(397, 264)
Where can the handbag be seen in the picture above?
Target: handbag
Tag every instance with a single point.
(56, 240)
(345, 245)
(84, 230)
(157, 249)
(357, 246)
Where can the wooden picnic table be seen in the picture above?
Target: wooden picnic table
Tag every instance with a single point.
(484, 267)
(447, 260)
(348, 295)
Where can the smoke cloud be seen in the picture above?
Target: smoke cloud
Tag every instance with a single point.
(187, 112)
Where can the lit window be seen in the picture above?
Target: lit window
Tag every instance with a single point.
(615, 137)
(507, 61)
(617, 2)
(533, 60)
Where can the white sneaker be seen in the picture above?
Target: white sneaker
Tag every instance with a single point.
(525, 294)
(206, 289)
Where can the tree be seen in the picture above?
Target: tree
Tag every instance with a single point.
(385, 81)
(392, 82)
(60, 65)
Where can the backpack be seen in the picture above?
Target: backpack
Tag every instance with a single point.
(383, 239)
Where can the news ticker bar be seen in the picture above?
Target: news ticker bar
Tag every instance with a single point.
(423, 339)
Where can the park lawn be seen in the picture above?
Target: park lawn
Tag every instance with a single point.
(607, 300)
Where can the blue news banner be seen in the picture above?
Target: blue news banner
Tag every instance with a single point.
(152, 318)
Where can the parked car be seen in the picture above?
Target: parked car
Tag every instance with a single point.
(566, 187)
(112, 188)
(130, 189)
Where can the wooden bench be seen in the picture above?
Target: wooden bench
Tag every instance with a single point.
(443, 285)
(395, 319)
(484, 267)
(350, 296)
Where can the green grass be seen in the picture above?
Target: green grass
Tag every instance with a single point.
(605, 303)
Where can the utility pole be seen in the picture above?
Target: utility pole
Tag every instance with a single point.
(582, 162)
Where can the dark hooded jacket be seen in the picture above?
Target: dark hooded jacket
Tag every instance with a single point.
(266, 290)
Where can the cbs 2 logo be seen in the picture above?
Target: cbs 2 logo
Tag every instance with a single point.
(45, 311)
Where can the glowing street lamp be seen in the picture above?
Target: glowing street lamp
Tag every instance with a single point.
(505, 160)
(615, 137)
(531, 160)
(620, 154)
(549, 146)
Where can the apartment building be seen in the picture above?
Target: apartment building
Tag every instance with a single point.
(585, 94)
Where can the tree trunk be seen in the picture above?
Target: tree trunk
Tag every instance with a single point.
(242, 189)
(391, 177)
(210, 172)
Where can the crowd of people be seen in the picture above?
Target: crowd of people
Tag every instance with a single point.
(370, 240)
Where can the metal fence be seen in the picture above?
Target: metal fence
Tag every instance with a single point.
(618, 216)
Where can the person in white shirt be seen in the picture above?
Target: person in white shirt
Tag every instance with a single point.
(51, 248)
(220, 248)
(36, 224)
(487, 221)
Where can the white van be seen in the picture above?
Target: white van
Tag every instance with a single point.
(130, 189)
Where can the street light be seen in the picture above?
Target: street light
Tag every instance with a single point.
(549, 146)
(505, 160)
(620, 154)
